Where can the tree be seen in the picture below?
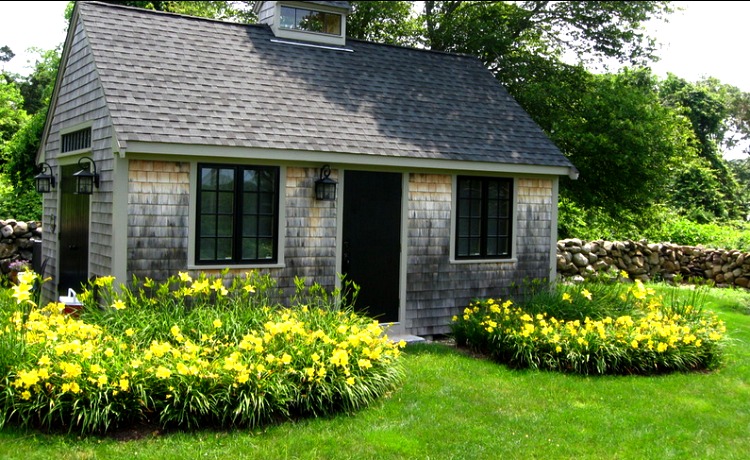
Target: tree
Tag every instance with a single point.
(507, 35)
(37, 88)
(233, 11)
(12, 114)
(624, 142)
(384, 22)
(708, 104)
(6, 54)
(741, 170)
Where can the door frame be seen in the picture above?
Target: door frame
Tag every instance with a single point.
(398, 327)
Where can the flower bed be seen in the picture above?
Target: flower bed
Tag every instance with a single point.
(187, 353)
(653, 337)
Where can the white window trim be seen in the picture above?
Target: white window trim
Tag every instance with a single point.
(307, 35)
(71, 129)
(192, 222)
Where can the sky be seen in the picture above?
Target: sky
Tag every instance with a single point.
(708, 38)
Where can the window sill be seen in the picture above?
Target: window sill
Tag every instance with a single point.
(512, 260)
(235, 267)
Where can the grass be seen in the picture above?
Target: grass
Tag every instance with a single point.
(455, 406)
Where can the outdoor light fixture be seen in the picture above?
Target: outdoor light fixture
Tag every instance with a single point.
(325, 187)
(85, 179)
(45, 182)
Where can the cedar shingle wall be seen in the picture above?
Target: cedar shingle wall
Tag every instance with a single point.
(310, 233)
(158, 205)
(81, 100)
(437, 289)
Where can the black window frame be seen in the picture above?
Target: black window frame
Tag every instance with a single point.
(237, 215)
(473, 221)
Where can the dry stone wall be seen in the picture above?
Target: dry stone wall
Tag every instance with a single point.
(17, 241)
(652, 261)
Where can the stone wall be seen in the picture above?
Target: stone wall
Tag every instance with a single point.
(644, 261)
(17, 241)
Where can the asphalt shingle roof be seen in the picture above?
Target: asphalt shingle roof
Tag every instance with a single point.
(178, 79)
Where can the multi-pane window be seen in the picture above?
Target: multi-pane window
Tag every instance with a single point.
(76, 140)
(484, 218)
(237, 214)
(309, 20)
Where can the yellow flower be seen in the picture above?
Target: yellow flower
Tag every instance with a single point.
(586, 294)
(28, 378)
(124, 384)
(350, 381)
(44, 361)
(129, 332)
(624, 274)
(22, 291)
(340, 357)
(185, 277)
(118, 305)
(566, 297)
(103, 281)
(163, 373)
(455, 318)
(109, 353)
(218, 286)
(26, 394)
(286, 359)
(249, 288)
(217, 323)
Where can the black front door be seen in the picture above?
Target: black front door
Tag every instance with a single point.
(73, 235)
(372, 241)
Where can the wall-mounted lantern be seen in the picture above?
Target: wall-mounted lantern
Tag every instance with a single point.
(45, 180)
(325, 187)
(86, 180)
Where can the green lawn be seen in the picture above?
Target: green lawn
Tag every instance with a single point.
(454, 406)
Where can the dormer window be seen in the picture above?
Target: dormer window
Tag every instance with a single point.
(321, 23)
(311, 21)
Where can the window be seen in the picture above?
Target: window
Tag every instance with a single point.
(311, 21)
(484, 218)
(76, 140)
(237, 214)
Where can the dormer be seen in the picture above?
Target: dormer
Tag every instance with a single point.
(316, 22)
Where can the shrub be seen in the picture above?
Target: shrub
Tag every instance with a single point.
(186, 353)
(650, 336)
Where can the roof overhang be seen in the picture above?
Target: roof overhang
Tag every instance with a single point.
(190, 152)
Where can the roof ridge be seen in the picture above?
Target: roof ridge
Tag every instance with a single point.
(230, 23)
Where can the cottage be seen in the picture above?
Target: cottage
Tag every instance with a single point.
(187, 144)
